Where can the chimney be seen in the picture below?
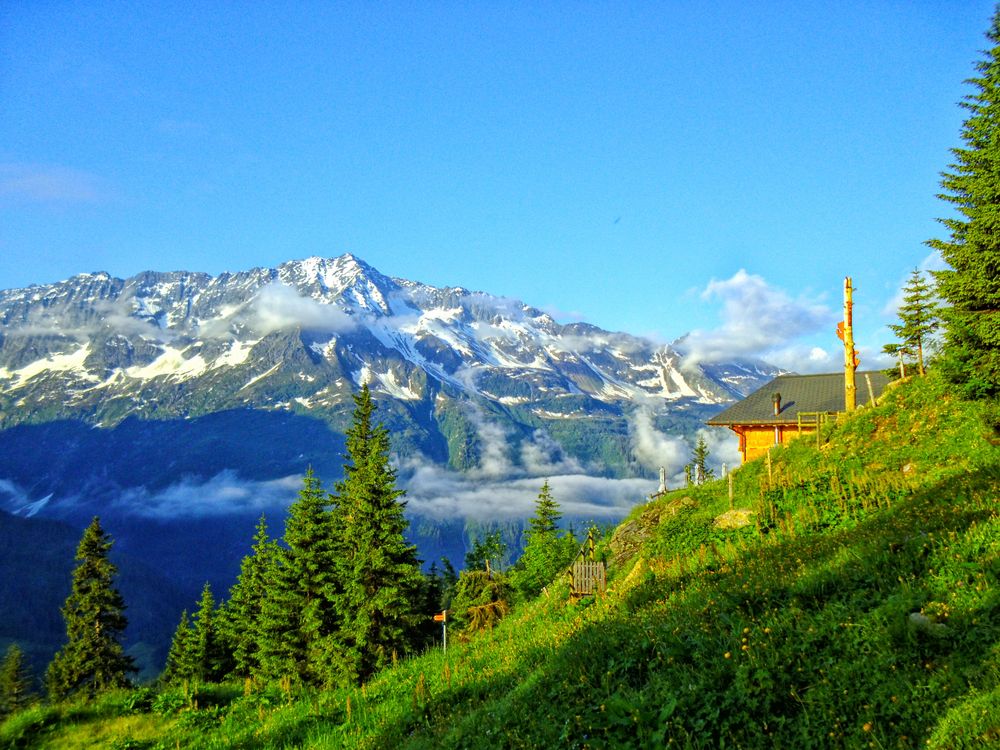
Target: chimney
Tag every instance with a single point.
(777, 403)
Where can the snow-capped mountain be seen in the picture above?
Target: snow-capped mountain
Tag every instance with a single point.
(303, 335)
(188, 376)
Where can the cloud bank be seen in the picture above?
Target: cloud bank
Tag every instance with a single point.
(431, 492)
(224, 494)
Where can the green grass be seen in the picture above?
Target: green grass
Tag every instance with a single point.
(860, 608)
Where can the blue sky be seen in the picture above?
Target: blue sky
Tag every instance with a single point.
(649, 167)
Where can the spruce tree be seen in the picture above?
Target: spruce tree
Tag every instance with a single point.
(92, 659)
(207, 655)
(298, 623)
(240, 622)
(547, 513)
(181, 659)
(547, 553)
(701, 470)
(380, 603)
(15, 681)
(970, 287)
(917, 319)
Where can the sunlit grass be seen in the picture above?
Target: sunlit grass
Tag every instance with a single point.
(860, 608)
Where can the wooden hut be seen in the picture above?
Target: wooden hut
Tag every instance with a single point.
(791, 405)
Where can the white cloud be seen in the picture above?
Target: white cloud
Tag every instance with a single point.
(437, 493)
(278, 306)
(542, 455)
(110, 318)
(224, 494)
(758, 320)
(12, 495)
(723, 448)
(653, 448)
(275, 307)
(494, 442)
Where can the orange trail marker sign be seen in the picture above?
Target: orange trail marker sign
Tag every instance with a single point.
(443, 619)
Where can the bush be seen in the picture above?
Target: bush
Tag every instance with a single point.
(480, 600)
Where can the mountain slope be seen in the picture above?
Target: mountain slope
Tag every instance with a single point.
(858, 608)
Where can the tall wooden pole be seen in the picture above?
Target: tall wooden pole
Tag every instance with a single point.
(850, 389)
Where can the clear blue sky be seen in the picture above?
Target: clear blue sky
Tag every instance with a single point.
(603, 160)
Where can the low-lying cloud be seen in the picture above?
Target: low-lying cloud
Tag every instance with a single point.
(435, 492)
(278, 306)
(432, 491)
(224, 494)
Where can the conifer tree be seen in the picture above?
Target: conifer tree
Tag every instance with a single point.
(547, 551)
(970, 287)
(917, 319)
(207, 656)
(701, 470)
(487, 553)
(15, 681)
(92, 659)
(181, 659)
(379, 571)
(297, 619)
(240, 621)
(547, 513)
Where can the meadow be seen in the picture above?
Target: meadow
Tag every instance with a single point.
(859, 606)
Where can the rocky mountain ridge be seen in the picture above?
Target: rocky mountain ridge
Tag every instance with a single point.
(98, 340)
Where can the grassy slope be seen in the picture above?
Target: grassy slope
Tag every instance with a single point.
(860, 609)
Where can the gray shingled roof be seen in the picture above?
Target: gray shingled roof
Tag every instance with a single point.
(798, 393)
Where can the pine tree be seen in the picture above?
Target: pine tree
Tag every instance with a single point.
(207, 656)
(297, 619)
(240, 619)
(547, 552)
(547, 513)
(15, 681)
(379, 571)
(918, 319)
(92, 659)
(971, 286)
(181, 659)
(701, 471)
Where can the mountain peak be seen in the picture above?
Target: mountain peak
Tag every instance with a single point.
(345, 276)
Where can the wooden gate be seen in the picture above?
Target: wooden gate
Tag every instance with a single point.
(587, 576)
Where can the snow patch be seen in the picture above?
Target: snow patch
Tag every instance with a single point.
(259, 377)
(74, 361)
(236, 355)
(172, 364)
